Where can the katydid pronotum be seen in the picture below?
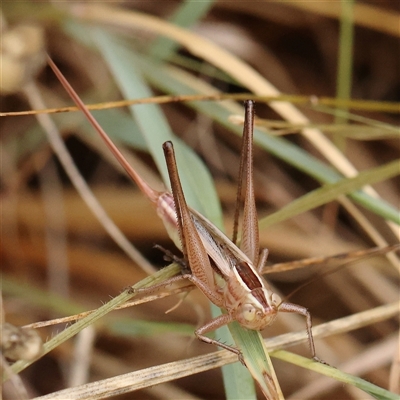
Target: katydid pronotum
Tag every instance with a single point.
(227, 273)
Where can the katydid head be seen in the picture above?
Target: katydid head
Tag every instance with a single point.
(258, 309)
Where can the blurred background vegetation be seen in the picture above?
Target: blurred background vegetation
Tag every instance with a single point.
(324, 60)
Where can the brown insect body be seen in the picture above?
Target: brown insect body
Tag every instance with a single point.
(227, 274)
(243, 292)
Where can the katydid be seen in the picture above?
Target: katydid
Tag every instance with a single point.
(227, 273)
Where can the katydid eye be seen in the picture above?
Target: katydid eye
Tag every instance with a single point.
(249, 312)
(276, 300)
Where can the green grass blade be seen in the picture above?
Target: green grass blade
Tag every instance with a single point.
(331, 191)
(137, 328)
(345, 59)
(196, 180)
(74, 329)
(279, 147)
(185, 16)
(39, 298)
(370, 388)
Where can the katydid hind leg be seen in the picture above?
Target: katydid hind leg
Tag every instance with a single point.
(249, 235)
(193, 249)
(262, 260)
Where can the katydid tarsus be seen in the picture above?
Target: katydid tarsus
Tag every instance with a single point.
(227, 273)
